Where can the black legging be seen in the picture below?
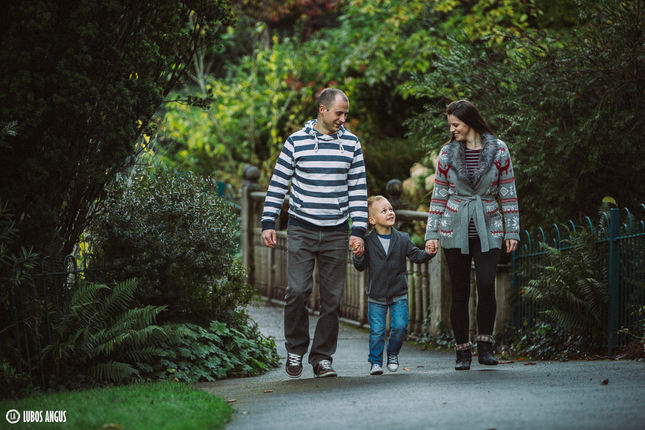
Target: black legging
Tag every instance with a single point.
(459, 269)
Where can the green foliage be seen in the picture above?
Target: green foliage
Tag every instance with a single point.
(14, 267)
(557, 100)
(14, 385)
(546, 342)
(216, 352)
(260, 100)
(102, 336)
(172, 232)
(372, 51)
(573, 288)
(83, 80)
(16, 262)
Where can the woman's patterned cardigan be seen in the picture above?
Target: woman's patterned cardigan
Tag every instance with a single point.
(458, 197)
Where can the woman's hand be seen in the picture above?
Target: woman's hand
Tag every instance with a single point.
(511, 245)
(432, 246)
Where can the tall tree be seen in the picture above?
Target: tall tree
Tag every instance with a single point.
(83, 79)
(572, 109)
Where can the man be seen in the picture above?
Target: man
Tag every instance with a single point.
(324, 163)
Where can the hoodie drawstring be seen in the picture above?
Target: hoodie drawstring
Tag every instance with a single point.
(314, 133)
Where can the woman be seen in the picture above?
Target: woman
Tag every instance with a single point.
(474, 172)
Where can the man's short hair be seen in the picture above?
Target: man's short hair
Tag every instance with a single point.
(328, 96)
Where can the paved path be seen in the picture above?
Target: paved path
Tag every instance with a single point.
(430, 394)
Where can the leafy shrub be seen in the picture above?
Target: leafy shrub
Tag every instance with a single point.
(573, 287)
(102, 336)
(15, 264)
(547, 342)
(207, 354)
(172, 232)
(551, 98)
(13, 384)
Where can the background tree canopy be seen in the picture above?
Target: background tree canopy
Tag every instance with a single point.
(560, 81)
(83, 79)
(557, 80)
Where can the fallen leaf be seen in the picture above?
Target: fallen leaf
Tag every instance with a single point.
(231, 401)
(530, 364)
(605, 382)
(522, 359)
(268, 391)
(505, 361)
(405, 368)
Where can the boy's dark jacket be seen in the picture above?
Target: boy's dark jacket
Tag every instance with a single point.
(387, 278)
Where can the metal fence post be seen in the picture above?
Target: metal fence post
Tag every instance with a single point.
(614, 267)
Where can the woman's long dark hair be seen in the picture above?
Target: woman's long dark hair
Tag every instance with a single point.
(469, 115)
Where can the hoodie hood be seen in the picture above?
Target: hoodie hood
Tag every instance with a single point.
(310, 130)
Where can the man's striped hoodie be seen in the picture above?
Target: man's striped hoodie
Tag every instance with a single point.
(328, 185)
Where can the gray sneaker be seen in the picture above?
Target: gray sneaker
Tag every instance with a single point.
(323, 369)
(392, 363)
(293, 366)
(376, 369)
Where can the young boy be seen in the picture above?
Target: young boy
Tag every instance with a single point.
(385, 252)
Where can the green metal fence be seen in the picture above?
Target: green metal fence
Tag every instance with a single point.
(621, 238)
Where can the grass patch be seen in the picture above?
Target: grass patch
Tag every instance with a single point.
(161, 406)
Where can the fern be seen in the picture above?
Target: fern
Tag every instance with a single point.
(103, 338)
(573, 288)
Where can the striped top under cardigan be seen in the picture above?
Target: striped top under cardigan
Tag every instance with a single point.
(328, 184)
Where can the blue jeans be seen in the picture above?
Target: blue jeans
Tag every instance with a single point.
(399, 317)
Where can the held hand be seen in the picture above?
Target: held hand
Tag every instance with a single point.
(511, 245)
(432, 246)
(356, 244)
(269, 238)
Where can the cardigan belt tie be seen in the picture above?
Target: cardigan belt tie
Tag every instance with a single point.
(472, 205)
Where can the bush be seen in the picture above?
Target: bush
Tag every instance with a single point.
(173, 233)
(207, 354)
(546, 342)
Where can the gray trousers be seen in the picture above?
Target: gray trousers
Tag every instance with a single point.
(330, 248)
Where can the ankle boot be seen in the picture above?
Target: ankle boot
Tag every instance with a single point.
(464, 358)
(485, 350)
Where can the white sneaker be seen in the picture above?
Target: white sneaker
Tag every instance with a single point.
(392, 363)
(376, 369)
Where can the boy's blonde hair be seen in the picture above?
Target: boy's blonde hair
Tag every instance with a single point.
(370, 202)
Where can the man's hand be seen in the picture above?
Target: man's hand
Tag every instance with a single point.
(511, 245)
(432, 246)
(356, 244)
(269, 238)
